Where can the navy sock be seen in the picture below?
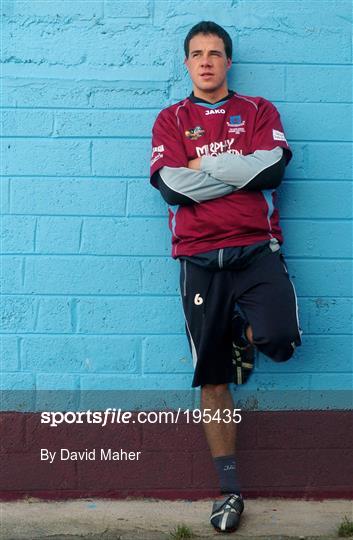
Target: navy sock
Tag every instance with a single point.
(227, 474)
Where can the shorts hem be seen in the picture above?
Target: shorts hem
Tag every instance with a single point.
(198, 383)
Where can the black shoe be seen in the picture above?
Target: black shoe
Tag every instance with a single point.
(226, 514)
(243, 352)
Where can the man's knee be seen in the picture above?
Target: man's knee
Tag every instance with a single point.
(280, 346)
(282, 354)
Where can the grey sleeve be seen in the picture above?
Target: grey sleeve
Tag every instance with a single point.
(263, 169)
(239, 171)
(186, 186)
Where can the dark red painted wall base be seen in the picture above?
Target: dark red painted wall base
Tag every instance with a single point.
(288, 454)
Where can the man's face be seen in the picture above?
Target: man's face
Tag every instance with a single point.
(208, 63)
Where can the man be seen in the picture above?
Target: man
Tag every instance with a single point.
(217, 158)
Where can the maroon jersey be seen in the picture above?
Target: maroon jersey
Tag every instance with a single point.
(194, 128)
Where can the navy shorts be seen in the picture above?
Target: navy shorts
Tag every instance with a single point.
(267, 299)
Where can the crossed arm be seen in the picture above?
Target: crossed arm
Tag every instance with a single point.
(213, 177)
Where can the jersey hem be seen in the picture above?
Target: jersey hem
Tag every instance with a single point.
(238, 241)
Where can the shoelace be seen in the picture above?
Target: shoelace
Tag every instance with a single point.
(234, 504)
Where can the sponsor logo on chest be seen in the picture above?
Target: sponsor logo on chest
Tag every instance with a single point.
(217, 147)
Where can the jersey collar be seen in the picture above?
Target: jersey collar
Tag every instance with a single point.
(204, 103)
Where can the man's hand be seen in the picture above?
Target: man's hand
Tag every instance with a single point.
(195, 164)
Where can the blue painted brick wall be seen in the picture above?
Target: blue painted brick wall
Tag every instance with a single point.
(90, 293)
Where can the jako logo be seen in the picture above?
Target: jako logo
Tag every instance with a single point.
(215, 111)
(198, 300)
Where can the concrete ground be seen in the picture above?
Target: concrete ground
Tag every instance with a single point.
(134, 519)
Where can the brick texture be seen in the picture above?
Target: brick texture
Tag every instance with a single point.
(90, 292)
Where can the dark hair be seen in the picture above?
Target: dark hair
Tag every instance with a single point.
(209, 27)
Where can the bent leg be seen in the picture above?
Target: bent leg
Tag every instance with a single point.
(269, 301)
